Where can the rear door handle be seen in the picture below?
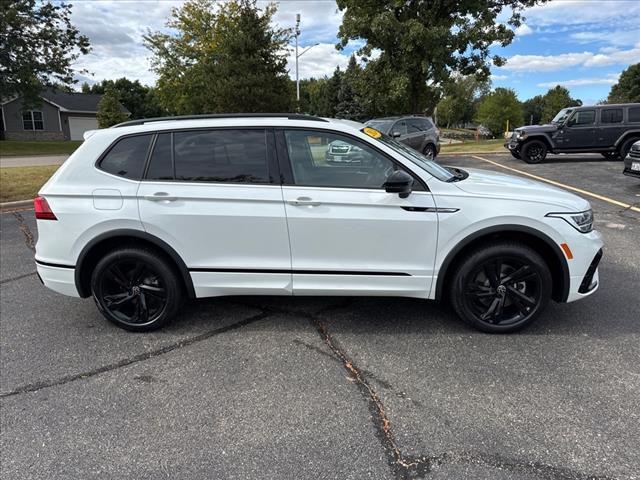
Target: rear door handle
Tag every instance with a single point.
(303, 201)
(160, 197)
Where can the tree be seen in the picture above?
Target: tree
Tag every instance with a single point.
(532, 110)
(498, 107)
(459, 103)
(421, 41)
(222, 58)
(39, 45)
(349, 104)
(139, 99)
(627, 90)
(109, 111)
(555, 100)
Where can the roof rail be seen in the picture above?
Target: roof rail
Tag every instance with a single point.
(290, 116)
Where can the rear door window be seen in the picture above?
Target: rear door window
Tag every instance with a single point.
(227, 156)
(634, 114)
(611, 115)
(127, 157)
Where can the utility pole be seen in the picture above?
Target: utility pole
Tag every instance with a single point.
(297, 56)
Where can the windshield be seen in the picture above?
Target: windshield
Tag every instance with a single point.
(417, 158)
(380, 125)
(562, 115)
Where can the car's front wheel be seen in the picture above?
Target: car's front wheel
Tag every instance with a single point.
(136, 289)
(516, 154)
(534, 151)
(611, 155)
(429, 151)
(626, 147)
(501, 288)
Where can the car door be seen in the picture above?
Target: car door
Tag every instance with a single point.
(400, 131)
(579, 132)
(215, 197)
(348, 236)
(611, 126)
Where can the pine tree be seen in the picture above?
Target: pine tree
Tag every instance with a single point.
(109, 111)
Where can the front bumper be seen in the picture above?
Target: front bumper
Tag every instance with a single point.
(58, 278)
(628, 162)
(583, 268)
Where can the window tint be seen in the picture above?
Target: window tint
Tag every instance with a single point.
(127, 157)
(400, 127)
(161, 162)
(323, 159)
(584, 117)
(634, 114)
(611, 115)
(238, 156)
(415, 125)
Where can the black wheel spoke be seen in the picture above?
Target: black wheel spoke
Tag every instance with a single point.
(117, 299)
(118, 276)
(491, 311)
(522, 274)
(492, 271)
(528, 301)
(479, 291)
(142, 312)
(136, 275)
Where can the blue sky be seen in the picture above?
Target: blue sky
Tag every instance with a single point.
(581, 44)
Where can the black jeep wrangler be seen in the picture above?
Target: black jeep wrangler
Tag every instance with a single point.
(606, 129)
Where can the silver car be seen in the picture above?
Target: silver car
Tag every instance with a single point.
(420, 133)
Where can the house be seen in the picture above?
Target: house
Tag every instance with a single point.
(61, 116)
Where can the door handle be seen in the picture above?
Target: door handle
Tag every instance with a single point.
(303, 201)
(160, 197)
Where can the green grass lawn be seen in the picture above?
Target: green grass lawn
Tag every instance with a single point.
(23, 183)
(483, 146)
(13, 148)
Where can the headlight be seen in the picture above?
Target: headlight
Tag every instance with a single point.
(520, 134)
(581, 221)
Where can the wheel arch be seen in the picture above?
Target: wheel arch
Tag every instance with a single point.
(92, 251)
(542, 243)
(628, 135)
(541, 137)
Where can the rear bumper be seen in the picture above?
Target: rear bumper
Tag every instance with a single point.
(60, 279)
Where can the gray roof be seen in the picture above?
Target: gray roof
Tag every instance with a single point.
(75, 102)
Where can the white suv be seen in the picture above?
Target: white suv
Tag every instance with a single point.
(149, 212)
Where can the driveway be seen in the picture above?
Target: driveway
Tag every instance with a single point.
(328, 388)
(32, 161)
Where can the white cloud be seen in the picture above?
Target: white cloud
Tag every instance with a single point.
(523, 30)
(499, 77)
(317, 62)
(620, 37)
(609, 79)
(580, 12)
(550, 63)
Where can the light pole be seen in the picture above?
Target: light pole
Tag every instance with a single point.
(298, 56)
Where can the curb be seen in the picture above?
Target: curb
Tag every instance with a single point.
(7, 206)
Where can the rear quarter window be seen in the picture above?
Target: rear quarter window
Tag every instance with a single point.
(634, 115)
(127, 157)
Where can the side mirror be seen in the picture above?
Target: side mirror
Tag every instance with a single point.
(399, 182)
(395, 134)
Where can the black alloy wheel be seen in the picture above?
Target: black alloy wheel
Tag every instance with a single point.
(429, 151)
(502, 288)
(626, 147)
(534, 151)
(516, 154)
(136, 289)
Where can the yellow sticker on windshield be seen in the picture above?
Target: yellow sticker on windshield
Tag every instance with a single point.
(372, 132)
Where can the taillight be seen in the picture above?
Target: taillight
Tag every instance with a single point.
(43, 210)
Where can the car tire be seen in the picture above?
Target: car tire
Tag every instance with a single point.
(501, 288)
(626, 147)
(516, 154)
(534, 151)
(429, 151)
(136, 289)
(611, 155)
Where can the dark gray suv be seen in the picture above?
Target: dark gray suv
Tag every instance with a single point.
(606, 129)
(419, 133)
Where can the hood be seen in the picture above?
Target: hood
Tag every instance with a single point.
(502, 185)
(549, 127)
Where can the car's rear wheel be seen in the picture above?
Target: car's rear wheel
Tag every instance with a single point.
(516, 154)
(534, 151)
(501, 288)
(626, 147)
(611, 155)
(136, 289)
(429, 151)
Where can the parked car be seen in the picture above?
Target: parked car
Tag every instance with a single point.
(420, 133)
(340, 152)
(632, 161)
(606, 129)
(150, 212)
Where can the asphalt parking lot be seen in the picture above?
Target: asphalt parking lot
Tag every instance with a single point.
(329, 388)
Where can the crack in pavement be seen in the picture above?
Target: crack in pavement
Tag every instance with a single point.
(419, 466)
(34, 387)
(19, 277)
(26, 231)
